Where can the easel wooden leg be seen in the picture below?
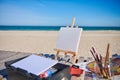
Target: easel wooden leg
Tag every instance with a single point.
(65, 53)
(74, 58)
(56, 55)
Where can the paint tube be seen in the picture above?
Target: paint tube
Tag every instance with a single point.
(48, 73)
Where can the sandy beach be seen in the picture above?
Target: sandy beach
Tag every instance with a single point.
(45, 41)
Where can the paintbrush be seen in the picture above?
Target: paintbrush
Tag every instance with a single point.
(107, 56)
(100, 58)
(95, 54)
(95, 60)
(107, 60)
(99, 63)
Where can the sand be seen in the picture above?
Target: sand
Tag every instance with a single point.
(45, 41)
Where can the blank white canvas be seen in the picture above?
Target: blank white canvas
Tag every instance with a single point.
(68, 39)
(35, 64)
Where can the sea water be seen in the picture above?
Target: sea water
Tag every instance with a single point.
(56, 28)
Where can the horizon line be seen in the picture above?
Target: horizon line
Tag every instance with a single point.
(65, 26)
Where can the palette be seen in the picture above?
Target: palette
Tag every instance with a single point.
(91, 66)
(115, 69)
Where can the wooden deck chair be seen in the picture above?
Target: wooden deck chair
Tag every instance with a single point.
(68, 41)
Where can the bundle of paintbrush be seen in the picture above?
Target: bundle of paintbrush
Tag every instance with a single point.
(103, 67)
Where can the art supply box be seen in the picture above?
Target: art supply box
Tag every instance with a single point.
(20, 74)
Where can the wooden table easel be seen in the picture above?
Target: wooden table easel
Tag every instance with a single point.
(67, 51)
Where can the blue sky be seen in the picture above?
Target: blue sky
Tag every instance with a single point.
(60, 12)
